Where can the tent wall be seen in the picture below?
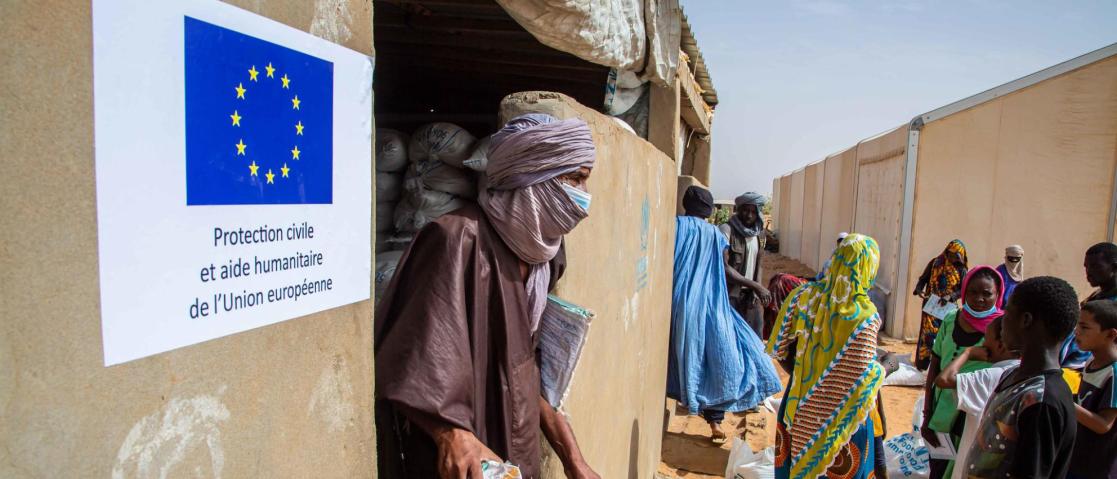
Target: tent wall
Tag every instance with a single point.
(631, 229)
(879, 198)
(774, 217)
(785, 208)
(794, 229)
(293, 399)
(1033, 167)
(837, 200)
(812, 215)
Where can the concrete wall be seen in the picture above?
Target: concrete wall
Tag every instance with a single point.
(620, 266)
(774, 218)
(288, 400)
(1033, 167)
(880, 197)
(794, 228)
(814, 184)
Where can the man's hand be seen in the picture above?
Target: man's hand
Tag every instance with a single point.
(763, 295)
(460, 454)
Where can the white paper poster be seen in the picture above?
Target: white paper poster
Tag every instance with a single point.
(233, 169)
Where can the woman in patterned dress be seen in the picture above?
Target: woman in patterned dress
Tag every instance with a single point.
(943, 278)
(826, 337)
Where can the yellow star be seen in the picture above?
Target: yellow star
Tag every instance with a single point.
(295, 152)
(299, 128)
(285, 169)
(240, 90)
(271, 177)
(295, 102)
(252, 73)
(270, 70)
(236, 118)
(240, 147)
(252, 168)
(286, 81)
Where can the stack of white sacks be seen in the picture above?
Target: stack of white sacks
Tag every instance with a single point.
(419, 179)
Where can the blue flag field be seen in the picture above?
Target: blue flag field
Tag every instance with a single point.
(259, 121)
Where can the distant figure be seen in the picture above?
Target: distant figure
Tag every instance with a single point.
(1012, 270)
(745, 231)
(825, 337)
(715, 362)
(943, 278)
(1101, 273)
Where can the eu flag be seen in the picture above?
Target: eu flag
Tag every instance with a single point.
(259, 121)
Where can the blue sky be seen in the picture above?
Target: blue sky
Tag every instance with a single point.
(798, 80)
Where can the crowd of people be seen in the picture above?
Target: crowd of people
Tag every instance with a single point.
(1020, 377)
(1019, 372)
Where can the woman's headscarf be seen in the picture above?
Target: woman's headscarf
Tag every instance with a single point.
(697, 201)
(998, 310)
(1015, 270)
(836, 377)
(523, 198)
(755, 200)
(945, 275)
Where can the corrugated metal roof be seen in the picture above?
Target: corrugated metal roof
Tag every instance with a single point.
(689, 45)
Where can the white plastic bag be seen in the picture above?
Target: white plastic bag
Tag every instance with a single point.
(385, 216)
(438, 176)
(388, 187)
(479, 159)
(445, 142)
(744, 464)
(906, 375)
(917, 414)
(391, 150)
(906, 456)
(422, 206)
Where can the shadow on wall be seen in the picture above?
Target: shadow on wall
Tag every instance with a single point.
(633, 451)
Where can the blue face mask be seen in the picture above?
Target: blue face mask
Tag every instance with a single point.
(581, 198)
(979, 314)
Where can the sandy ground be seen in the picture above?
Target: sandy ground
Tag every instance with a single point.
(687, 450)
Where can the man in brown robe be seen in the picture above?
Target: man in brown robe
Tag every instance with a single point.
(456, 373)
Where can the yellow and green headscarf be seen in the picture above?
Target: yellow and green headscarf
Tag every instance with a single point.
(836, 377)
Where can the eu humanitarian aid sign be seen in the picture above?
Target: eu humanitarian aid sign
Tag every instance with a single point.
(233, 170)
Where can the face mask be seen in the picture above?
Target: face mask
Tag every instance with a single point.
(979, 314)
(581, 198)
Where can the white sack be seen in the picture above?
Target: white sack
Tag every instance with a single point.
(389, 186)
(479, 159)
(744, 464)
(906, 375)
(438, 176)
(421, 207)
(391, 150)
(385, 216)
(445, 142)
(906, 456)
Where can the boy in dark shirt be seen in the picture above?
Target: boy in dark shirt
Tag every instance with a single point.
(1028, 427)
(1095, 450)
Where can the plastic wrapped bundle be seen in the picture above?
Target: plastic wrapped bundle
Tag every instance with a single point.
(386, 264)
(445, 142)
(422, 206)
(391, 150)
(479, 160)
(389, 186)
(385, 216)
(437, 176)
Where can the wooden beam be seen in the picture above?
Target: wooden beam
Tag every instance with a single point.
(467, 65)
(692, 105)
(446, 23)
(488, 56)
(406, 36)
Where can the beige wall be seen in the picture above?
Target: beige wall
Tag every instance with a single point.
(620, 266)
(880, 196)
(1034, 167)
(288, 400)
(775, 211)
(837, 200)
(785, 207)
(794, 228)
(814, 184)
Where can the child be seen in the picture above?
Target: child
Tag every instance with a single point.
(981, 299)
(974, 389)
(1095, 450)
(1028, 428)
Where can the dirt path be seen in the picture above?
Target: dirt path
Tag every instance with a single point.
(687, 450)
